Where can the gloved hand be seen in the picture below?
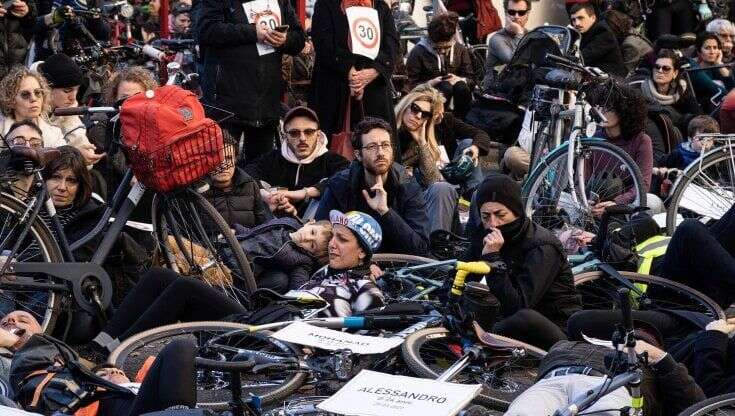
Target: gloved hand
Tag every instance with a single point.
(61, 14)
(704, 11)
(726, 326)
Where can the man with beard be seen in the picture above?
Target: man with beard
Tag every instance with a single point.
(373, 184)
(302, 165)
(529, 271)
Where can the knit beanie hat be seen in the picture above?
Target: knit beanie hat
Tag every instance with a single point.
(61, 71)
(502, 189)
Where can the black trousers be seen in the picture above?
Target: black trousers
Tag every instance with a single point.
(164, 297)
(257, 141)
(676, 18)
(170, 381)
(531, 327)
(462, 95)
(704, 258)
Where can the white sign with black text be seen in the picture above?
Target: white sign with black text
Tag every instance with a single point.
(377, 394)
(328, 339)
(263, 13)
(364, 30)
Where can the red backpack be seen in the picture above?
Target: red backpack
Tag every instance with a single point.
(167, 138)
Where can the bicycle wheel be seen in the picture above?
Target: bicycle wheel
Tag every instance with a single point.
(722, 405)
(600, 292)
(430, 351)
(425, 285)
(39, 245)
(212, 386)
(602, 170)
(195, 240)
(705, 190)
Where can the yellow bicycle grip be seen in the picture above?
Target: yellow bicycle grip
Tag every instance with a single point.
(474, 267)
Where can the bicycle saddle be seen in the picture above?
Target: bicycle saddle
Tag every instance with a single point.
(263, 297)
(41, 156)
(491, 341)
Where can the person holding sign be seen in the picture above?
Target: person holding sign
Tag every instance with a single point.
(244, 44)
(356, 47)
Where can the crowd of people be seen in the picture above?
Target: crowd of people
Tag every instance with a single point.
(310, 215)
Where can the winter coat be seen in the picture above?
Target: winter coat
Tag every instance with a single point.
(708, 356)
(269, 246)
(709, 84)
(600, 49)
(84, 220)
(633, 48)
(501, 46)
(241, 205)
(13, 46)
(405, 225)
(329, 85)
(346, 291)
(530, 272)
(235, 77)
(666, 386)
(424, 63)
(681, 157)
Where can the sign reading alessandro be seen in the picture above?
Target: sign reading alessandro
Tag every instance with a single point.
(328, 339)
(377, 394)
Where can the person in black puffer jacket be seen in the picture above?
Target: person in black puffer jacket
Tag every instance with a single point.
(530, 274)
(13, 46)
(236, 195)
(598, 45)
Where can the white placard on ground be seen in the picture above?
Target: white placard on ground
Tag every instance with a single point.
(328, 339)
(377, 394)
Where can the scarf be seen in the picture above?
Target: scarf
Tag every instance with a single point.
(649, 91)
(319, 149)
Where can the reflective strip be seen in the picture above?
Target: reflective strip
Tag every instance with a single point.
(653, 247)
(636, 402)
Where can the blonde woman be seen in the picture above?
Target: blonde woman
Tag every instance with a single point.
(430, 138)
(25, 95)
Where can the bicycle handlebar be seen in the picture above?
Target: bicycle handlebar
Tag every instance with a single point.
(153, 53)
(83, 110)
(464, 269)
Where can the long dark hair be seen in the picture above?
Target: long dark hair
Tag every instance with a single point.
(628, 103)
(73, 160)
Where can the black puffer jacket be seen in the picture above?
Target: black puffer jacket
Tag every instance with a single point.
(13, 45)
(530, 271)
(600, 49)
(235, 77)
(243, 204)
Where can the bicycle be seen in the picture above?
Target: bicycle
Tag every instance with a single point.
(40, 274)
(721, 405)
(705, 190)
(582, 171)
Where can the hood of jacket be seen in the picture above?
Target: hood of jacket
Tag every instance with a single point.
(320, 149)
(426, 44)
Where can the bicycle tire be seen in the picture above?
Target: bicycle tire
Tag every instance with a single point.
(131, 353)
(721, 405)
(405, 259)
(411, 353)
(690, 176)
(51, 252)
(577, 216)
(191, 209)
(664, 293)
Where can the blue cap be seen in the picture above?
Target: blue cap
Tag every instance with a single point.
(365, 228)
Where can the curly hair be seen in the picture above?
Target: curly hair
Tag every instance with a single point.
(136, 74)
(10, 86)
(630, 106)
(443, 27)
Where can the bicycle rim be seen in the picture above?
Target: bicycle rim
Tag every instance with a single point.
(39, 246)
(397, 289)
(705, 190)
(722, 405)
(213, 386)
(195, 240)
(430, 351)
(600, 292)
(601, 169)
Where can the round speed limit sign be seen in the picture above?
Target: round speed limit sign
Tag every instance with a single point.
(270, 20)
(366, 32)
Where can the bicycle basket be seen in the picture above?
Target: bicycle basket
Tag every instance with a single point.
(168, 140)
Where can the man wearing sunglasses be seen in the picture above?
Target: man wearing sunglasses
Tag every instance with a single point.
(504, 42)
(301, 165)
(599, 47)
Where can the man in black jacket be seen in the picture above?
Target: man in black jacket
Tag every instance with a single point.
(530, 274)
(242, 64)
(13, 46)
(302, 164)
(373, 184)
(599, 47)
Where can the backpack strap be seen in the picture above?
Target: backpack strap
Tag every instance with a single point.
(40, 387)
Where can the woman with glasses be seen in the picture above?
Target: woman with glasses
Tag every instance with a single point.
(25, 95)
(711, 80)
(429, 137)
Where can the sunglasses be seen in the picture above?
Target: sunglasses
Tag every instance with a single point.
(26, 95)
(663, 68)
(415, 109)
(295, 134)
(520, 13)
(30, 142)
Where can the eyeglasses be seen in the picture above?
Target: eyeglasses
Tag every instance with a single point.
(415, 109)
(520, 13)
(26, 95)
(373, 147)
(663, 68)
(30, 142)
(295, 134)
